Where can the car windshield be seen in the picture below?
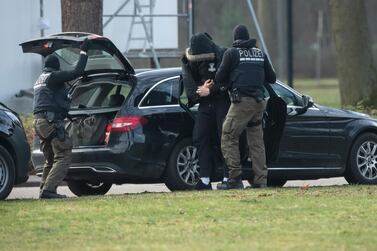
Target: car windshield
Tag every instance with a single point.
(97, 59)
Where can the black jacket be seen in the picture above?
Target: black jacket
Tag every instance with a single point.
(199, 63)
(50, 91)
(246, 68)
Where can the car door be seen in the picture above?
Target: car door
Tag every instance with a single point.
(166, 121)
(305, 141)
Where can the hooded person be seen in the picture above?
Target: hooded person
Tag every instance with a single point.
(51, 106)
(244, 71)
(199, 66)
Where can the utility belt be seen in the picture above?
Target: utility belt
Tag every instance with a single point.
(235, 96)
(49, 116)
(57, 121)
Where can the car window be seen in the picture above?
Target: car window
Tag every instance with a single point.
(165, 93)
(99, 95)
(289, 97)
(97, 59)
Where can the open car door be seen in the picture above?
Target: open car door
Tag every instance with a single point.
(274, 123)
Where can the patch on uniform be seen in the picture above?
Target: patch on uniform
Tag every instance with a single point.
(42, 80)
(252, 54)
(211, 67)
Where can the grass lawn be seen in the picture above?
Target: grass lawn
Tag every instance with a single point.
(329, 218)
(324, 93)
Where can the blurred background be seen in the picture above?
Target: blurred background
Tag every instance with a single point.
(154, 33)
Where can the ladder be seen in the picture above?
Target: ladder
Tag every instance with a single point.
(139, 18)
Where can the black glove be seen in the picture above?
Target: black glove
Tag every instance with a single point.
(85, 45)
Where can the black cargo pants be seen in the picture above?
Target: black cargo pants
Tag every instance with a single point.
(207, 135)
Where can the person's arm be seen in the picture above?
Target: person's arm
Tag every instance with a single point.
(269, 72)
(59, 77)
(222, 81)
(189, 82)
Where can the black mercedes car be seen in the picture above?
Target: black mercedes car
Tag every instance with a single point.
(14, 151)
(132, 127)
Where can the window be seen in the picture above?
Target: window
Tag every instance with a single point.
(165, 93)
(289, 97)
(97, 59)
(99, 95)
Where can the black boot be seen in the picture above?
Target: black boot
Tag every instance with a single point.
(45, 194)
(235, 183)
(201, 186)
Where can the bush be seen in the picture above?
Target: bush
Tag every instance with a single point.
(27, 121)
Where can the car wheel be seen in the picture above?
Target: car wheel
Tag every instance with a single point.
(182, 171)
(272, 182)
(82, 188)
(7, 173)
(362, 164)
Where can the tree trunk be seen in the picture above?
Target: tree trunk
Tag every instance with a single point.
(82, 15)
(354, 60)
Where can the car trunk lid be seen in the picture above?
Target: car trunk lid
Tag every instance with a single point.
(103, 55)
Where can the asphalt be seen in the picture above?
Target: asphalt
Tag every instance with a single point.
(30, 189)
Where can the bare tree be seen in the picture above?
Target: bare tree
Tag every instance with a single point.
(82, 15)
(354, 61)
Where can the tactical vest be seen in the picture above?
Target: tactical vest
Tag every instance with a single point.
(50, 99)
(249, 74)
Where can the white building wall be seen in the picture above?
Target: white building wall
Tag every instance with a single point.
(19, 22)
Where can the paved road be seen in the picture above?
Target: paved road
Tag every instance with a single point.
(33, 191)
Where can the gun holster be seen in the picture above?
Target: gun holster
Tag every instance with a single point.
(234, 96)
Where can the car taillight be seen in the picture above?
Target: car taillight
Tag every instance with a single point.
(127, 124)
(123, 124)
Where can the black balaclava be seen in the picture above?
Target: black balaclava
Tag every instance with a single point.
(52, 62)
(240, 32)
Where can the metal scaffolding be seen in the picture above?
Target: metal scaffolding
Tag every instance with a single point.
(143, 14)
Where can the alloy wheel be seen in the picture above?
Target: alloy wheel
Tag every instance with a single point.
(366, 160)
(4, 174)
(188, 165)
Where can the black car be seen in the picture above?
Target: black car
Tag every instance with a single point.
(137, 128)
(14, 151)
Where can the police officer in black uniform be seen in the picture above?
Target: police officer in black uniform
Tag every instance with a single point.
(51, 106)
(244, 71)
(199, 66)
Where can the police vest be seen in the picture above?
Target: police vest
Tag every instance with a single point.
(249, 74)
(50, 99)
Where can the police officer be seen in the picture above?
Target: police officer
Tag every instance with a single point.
(51, 106)
(199, 65)
(246, 68)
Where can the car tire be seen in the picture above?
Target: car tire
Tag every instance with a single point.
(84, 188)
(7, 173)
(182, 171)
(362, 163)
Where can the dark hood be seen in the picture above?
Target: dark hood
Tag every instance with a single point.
(52, 61)
(201, 48)
(245, 43)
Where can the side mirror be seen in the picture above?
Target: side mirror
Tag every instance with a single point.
(307, 102)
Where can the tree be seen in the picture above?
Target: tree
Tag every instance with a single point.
(82, 15)
(354, 61)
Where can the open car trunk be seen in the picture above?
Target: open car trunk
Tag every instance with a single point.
(93, 109)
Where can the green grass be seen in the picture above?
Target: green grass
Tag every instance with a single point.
(324, 93)
(331, 218)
